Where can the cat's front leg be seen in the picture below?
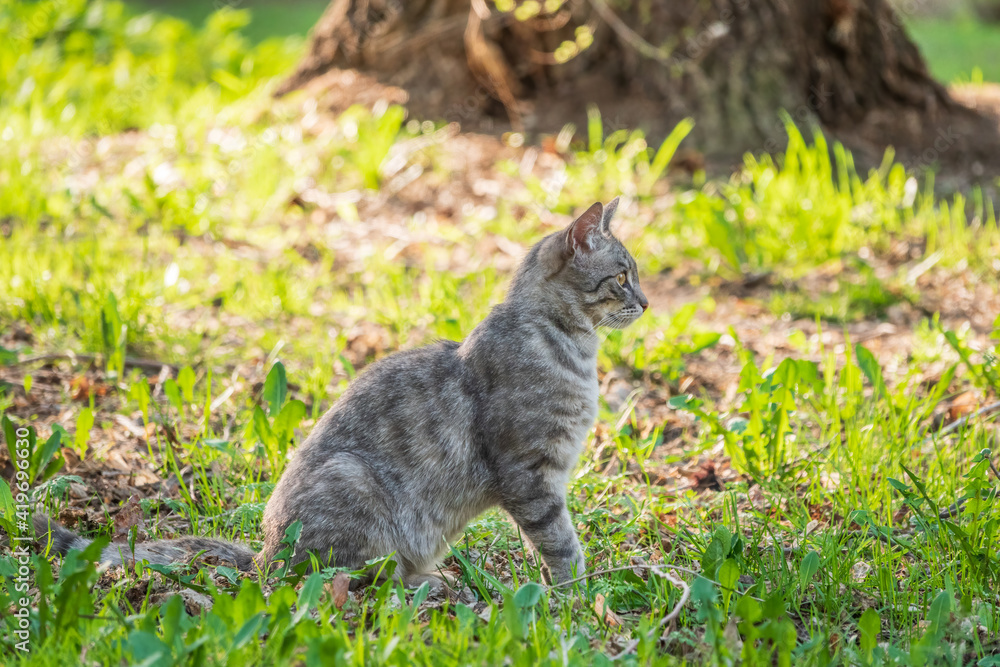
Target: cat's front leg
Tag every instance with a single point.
(546, 522)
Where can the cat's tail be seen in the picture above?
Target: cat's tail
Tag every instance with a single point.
(159, 552)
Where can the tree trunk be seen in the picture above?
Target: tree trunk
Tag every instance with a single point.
(732, 65)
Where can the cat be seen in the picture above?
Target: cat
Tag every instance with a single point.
(425, 440)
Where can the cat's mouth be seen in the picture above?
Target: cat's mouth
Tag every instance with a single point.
(622, 318)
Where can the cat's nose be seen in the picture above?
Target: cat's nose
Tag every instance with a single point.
(644, 304)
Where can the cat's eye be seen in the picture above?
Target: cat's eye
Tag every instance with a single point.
(621, 278)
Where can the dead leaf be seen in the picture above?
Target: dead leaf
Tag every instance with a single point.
(608, 616)
(338, 589)
(757, 499)
(80, 388)
(70, 516)
(901, 514)
(705, 478)
(130, 426)
(549, 145)
(964, 404)
(194, 602)
(128, 516)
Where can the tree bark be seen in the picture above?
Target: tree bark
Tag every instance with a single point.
(732, 65)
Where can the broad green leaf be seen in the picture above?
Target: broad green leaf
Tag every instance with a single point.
(869, 625)
(748, 609)
(703, 594)
(232, 575)
(261, 426)
(869, 366)
(292, 533)
(249, 630)
(899, 486)
(940, 610)
(308, 596)
(47, 451)
(738, 425)
(289, 418)
(684, 402)
(725, 539)
(775, 605)
(809, 375)
(7, 507)
(712, 558)
(808, 568)
(703, 340)
(139, 392)
(729, 576)
(84, 422)
(146, 649)
(275, 388)
(528, 595)
(173, 393)
(418, 598)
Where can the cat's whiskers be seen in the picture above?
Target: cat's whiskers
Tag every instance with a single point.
(600, 323)
(610, 322)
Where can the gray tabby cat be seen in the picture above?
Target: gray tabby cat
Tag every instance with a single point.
(427, 439)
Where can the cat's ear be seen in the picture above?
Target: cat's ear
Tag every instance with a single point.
(609, 213)
(583, 234)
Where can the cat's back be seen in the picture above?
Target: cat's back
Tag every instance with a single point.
(411, 403)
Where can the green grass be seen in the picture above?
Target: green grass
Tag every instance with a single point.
(953, 48)
(179, 213)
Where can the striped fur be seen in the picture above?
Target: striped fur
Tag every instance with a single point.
(424, 440)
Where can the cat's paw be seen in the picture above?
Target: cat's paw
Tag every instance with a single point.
(437, 584)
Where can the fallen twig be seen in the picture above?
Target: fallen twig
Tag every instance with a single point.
(669, 618)
(952, 510)
(959, 423)
(993, 467)
(656, 567)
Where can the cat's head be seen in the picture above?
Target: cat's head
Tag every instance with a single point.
(587, 274)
